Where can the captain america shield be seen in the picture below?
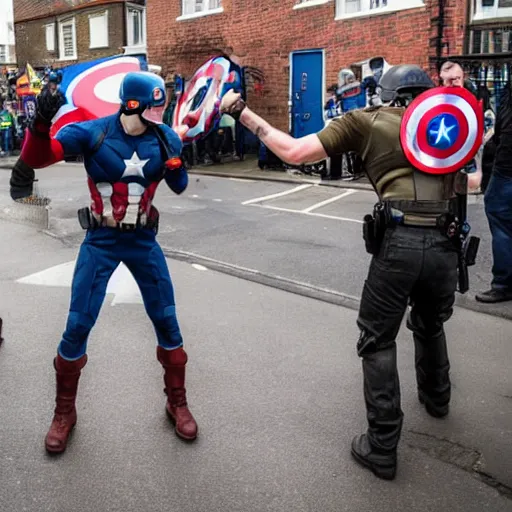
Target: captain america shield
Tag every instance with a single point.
(442, 130)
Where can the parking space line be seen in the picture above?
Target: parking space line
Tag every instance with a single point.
(311, 214)
(329, 201)
(279, 194)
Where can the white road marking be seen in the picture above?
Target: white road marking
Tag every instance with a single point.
(329, 201)
(279, 194)
(311, 214)
(122, 284)
(198, 267)
(243, 179)
(194, 196)
(218, 200)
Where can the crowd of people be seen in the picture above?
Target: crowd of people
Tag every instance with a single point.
(18, 91)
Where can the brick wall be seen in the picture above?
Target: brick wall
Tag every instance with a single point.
(31, 38)
(263, 33)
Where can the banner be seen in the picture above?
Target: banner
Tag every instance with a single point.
(92, 88)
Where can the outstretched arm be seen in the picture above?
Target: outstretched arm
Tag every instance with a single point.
(305, 150)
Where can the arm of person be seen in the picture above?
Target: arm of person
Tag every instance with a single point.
(40, 150)
(305, 150)
(176, 176)
(342, 135)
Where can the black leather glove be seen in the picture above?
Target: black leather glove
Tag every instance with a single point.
(49, 102)
(22, 180)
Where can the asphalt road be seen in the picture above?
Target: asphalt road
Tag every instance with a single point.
(305, 233)
(274, 382)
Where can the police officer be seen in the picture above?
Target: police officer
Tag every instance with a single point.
(413, 261)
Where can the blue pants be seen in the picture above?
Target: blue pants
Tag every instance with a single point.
(100, 254)
(498, 208)
(6, 140)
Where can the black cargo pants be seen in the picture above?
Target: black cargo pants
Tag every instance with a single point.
(417, 266)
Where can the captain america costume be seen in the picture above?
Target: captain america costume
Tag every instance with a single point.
(126, 157)
(123, 175)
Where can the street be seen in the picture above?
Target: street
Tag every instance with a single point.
(306, 234)
(273, 377)
(274, 382)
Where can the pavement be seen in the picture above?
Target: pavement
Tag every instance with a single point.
(274, 382)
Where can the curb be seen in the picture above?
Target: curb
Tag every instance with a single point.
(282, 179)
(313, 292)
(273, 281)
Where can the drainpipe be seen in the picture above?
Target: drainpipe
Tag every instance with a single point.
(440, 34)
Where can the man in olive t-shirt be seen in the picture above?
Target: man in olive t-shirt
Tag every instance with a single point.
(413, 264)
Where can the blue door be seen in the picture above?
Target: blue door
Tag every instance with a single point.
(307, 92)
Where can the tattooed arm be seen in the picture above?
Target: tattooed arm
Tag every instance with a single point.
(305, 150)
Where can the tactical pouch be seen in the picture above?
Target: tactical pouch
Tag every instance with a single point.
(86, 219)
(369, 234)
(471, 250)
(374, 227)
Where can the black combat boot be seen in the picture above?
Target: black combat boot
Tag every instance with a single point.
(377, 449)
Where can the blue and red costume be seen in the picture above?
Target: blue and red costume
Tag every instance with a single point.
(123, 173)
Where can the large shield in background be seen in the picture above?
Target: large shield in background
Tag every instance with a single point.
(92, 88)
(198, 103)
(442, 130)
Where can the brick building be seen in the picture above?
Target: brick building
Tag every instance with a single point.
(63, 32)
(275, 35)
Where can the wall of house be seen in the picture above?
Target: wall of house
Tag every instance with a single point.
(31, 38)
(262, 34)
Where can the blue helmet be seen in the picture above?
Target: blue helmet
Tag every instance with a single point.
(141, 91)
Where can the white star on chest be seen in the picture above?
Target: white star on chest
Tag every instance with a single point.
(134, 167)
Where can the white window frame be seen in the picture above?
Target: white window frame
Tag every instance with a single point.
(309, 3)
(63, 22)
(199, 14)
(489, 13)
(4, 52)
(397, 5)
(104, 42)
(49, 33)
(130, 41)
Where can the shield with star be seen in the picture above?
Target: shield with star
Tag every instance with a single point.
(442, 130)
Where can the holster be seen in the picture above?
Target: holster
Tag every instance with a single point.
(86, 219)
(374, 227)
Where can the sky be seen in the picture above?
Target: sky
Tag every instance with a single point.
(5, 11)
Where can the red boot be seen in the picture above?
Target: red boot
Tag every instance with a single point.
(68, 374)
(174, 362)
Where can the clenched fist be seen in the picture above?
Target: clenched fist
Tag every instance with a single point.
(232, 104)
(48, 103)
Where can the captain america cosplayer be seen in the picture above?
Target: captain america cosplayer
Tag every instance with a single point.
(126, 156)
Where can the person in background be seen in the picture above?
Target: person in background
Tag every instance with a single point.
(6, 128)
(498, 206)
(452, 75)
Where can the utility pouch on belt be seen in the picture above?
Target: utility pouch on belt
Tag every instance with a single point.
(85, 218)
(374, 227)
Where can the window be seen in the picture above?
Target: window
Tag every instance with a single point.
(3, 54)
(136, 29)
(498, 40)
(67, 39)
(192, 8)
(489, 9)
(50, 37)
(98, 30)
(352, 8)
